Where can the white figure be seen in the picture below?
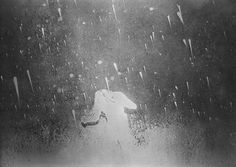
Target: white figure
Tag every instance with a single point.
(111, 105)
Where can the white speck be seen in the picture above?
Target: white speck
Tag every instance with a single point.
(28, 38)
(83, 22)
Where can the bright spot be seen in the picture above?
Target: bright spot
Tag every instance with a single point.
(112, 78)
(100, 62)
(72, 75)
(151, 8)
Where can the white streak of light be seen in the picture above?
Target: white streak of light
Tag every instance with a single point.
(190, 45)
(60, 16)
(28, 73)
(114, 10)
(179, 13)
(141, 74)
(187, 86)
(208, 82)
(159, 92)
(17, 88)
(185, 43)
(116, 68)
(168, 17)
(144, 68)
(73, 113)
(43, 33)
(75, 3)
(107, 83)
(84, 94)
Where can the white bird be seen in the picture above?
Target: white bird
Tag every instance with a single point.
(111, 106)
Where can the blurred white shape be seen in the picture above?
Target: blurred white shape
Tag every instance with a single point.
(112, 78)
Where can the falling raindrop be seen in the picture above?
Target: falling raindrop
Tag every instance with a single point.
(107, 84)
(208, 82)
(73, 113)
(159, 92)
(114, 10)
(141, 75)
(168, 17)
(144, 68)
(176, 105)
(75, 3)
(60, 15)
(29, 77)
(163, 37)
(187, 86)
(185, 42)
(126, 80)
(17, 89)
(115, 66)
(84, 95)
(43, 32)
(145, 46)
(179, 14)
(40, 47)
(190, 45)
